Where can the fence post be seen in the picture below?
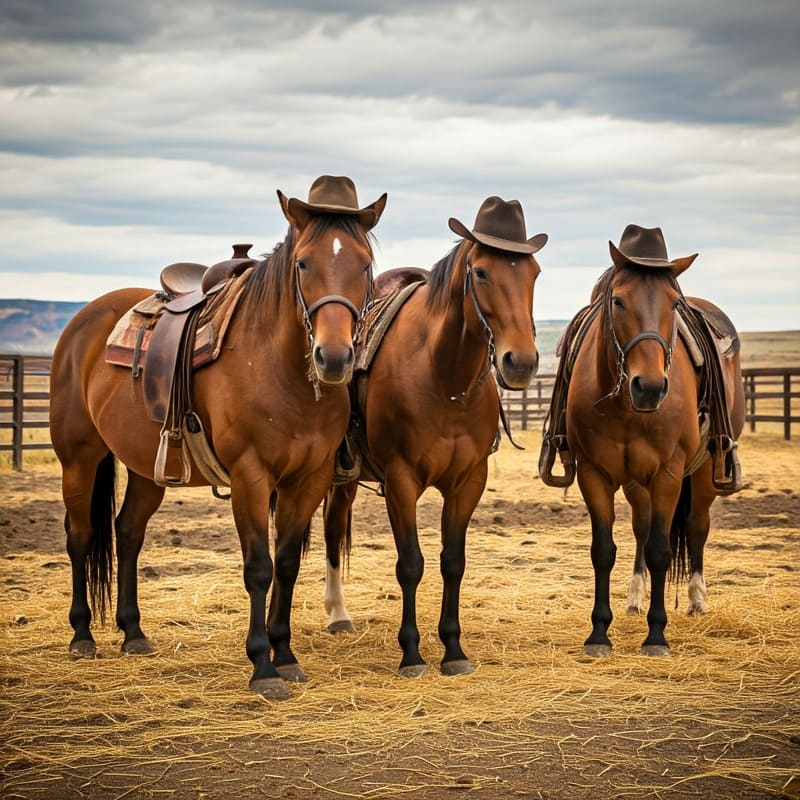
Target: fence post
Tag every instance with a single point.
(751, 383)
(17, 407)
(787, 407)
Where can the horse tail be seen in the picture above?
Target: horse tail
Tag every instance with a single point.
(678, 532)
(100, 557)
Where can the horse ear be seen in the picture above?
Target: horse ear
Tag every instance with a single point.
(682, 264)
(297, 216)
(377, 209)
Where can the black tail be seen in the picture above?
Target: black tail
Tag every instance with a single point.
(678, 532)
(100, 558)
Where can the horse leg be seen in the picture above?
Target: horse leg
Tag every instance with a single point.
(698, 526)
(88, 492)
(142, 499)
(338, 515)
(456, 514)
(250, 504)
(599, 497)
(293, 511)
(639, 501)
(402, 494)
(658, 555)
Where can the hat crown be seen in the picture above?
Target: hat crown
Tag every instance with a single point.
(501, 219)
(333, 191)
(643, 243)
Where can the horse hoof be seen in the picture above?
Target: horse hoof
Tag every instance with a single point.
(292, 672)
(271, 688)
(633, 610)
(83, 648)
(341, 626)
(697, 608)
(597, 650)
(655, 650)
(138, 647)
(461, 666)
(413, 671)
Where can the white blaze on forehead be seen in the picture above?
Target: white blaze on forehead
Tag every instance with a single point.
(337, 246)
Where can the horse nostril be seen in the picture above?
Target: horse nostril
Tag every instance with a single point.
(508, 361)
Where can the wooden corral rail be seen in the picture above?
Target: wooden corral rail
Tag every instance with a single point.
(771, 390)
(24, 402)
(772, 395)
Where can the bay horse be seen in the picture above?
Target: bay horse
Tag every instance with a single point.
(291, 336)
(632, 422)
(429, 409)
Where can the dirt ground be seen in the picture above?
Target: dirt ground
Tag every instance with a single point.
(719, 717)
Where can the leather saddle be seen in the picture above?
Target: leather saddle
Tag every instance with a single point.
(165, 338)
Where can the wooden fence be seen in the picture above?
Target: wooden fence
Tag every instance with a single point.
(772, 396)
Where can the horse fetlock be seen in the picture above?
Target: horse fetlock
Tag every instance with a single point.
(697, 594)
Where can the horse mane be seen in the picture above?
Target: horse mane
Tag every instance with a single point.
(271, 282)
(440, 275)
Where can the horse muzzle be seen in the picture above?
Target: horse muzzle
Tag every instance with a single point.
(515, 369)
(333, 364)
(647, 394)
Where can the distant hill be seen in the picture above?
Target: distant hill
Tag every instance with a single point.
(32, 327)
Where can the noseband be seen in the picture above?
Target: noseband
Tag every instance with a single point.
(623, 350)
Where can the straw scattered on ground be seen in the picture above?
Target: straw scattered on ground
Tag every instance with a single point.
(718, 717)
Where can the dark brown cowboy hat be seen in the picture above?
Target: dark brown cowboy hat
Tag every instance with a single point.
(500, 224)
(645, 247)
(331, 194)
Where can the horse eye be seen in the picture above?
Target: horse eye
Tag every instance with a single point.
(481, 275)
(617, 302)
(301, 264)
(368, 267)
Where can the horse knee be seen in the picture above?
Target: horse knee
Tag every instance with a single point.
(410, 568)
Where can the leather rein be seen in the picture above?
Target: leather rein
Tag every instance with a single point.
(491, 352)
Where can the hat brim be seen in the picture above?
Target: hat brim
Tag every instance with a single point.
(620, 259)
(532, 245)
(367, 216)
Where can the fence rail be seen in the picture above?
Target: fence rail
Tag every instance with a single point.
(772, 395)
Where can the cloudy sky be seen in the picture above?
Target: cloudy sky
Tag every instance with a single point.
(134, 134)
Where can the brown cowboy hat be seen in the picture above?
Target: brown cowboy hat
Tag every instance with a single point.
(645, 247)
(500, 224)
(331, 194)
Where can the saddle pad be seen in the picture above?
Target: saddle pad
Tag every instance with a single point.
(377, 320)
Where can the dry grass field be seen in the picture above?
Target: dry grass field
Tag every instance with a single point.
(719, 717)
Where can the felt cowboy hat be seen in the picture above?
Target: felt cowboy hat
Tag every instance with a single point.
(500, 224)
(331, 194)
(645, 247)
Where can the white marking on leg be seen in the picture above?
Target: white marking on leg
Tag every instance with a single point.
(697, 594)
(637, 593)
(337, 246)
(334, 595)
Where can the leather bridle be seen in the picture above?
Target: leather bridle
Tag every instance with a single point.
(623, 350)
(308, 311)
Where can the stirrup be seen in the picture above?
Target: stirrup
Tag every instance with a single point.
(547, 458)
(726, 473)
(171, 440)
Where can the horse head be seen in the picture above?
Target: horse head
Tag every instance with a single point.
(501, 284)
(332, 259)
(642, 310)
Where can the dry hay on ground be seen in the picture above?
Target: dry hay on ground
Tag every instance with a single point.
(718, 717)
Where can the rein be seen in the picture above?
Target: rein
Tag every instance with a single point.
(491, 352)
(623, 350)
